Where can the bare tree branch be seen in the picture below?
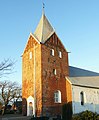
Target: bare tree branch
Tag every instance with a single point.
(6, 67)
(9, 91)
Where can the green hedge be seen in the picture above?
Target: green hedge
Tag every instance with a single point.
(86, 115)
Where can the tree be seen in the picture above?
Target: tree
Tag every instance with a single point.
(6, 67)
(9, 91)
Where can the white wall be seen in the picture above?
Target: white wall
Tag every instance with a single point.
(91, 99)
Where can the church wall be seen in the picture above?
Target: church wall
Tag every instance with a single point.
(91, 99)
(51, 82)
(28, 73)
(68, 91)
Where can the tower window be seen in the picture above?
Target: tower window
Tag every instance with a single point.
(54, 71)
(52, 52)
(57, 97)
(60, 54)
(30, 55)
(82, 98)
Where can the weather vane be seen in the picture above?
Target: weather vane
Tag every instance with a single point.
(43, 6)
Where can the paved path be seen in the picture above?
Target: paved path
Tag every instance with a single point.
(14, 117)
(4, 119)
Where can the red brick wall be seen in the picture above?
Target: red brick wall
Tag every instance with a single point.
(28, 73)
(46, 82)
(51, 82)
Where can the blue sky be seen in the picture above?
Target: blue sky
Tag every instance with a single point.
(76, 22)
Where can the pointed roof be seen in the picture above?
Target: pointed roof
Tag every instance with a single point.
(44, 29)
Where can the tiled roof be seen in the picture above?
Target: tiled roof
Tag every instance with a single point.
(78, 72)
(82, 77)
(92, 81)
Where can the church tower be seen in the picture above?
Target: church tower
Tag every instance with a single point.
(44, 68)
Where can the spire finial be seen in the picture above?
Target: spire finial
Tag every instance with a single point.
(43, 5)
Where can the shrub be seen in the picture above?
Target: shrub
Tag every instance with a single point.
(76, 117)
(86, 115)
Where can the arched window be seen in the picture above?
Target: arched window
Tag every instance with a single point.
(30, 55)
(60, 54)
(82, 97)
(57, 97)
(54, 71)
(52, 52)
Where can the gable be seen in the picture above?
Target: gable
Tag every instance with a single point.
(31, 41)
(54, 41)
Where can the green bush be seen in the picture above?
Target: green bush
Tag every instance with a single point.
(76, 117)
(86, 115)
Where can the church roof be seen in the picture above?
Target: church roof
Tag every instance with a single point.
(44, 29)
(82, 77)
(92, 81)
(78, 72)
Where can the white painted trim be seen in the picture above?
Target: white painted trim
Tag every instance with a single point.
(68, 80)
(57, 96)
(84, 97)
(35, 37)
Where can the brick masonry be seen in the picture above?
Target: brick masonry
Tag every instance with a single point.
(46, 82)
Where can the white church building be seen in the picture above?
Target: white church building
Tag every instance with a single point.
(84, 90)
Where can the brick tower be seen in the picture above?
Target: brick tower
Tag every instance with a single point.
(44, 68)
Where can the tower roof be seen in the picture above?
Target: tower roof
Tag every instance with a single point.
(44, 29)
